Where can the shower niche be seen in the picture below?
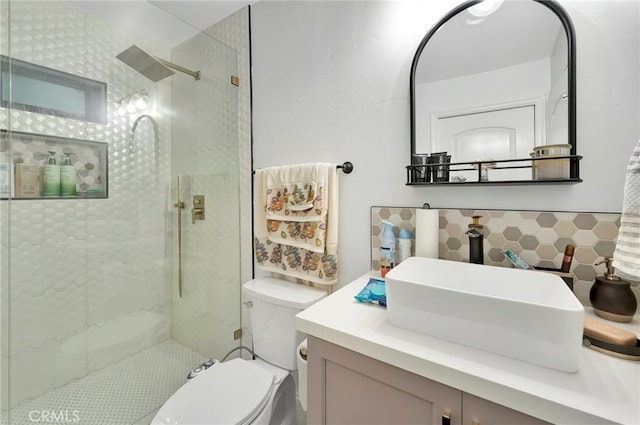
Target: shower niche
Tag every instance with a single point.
(24, 171)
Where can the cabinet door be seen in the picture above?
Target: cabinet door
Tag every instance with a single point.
(345, 387)
(478, 411)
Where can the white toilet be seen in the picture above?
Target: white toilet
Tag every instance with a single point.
(257, 391)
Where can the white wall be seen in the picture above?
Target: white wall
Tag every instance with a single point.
(331, 83)
(526, 82)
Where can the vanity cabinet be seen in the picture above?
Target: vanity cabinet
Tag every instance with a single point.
(345, 387)
(478, 411)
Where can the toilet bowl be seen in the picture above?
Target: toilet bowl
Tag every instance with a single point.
(260, 391)
(234, 392)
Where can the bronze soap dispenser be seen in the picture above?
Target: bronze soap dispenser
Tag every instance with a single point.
(612, 297)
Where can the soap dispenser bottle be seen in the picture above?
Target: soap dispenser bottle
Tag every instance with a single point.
(387, 248)
(51, 177)
(476, 240)
(5, 175)
(67, 177)
(612, 297)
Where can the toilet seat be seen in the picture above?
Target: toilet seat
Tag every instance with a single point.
(233, 392)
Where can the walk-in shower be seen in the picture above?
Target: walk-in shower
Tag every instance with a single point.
(93, 330)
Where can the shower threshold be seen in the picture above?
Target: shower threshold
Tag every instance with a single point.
(125, 393)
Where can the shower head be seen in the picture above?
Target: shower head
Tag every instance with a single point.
(150, 66)
(145, 64)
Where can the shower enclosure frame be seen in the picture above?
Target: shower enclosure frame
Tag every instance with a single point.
(112, 219)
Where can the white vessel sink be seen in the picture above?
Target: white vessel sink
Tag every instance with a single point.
(527, 315)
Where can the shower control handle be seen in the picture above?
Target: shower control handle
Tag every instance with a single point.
(197, 212)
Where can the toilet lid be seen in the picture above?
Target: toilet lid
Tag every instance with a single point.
(233, 392)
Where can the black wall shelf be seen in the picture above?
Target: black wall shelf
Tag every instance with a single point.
(476, 167)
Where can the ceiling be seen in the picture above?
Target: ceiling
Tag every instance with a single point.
(167, 22)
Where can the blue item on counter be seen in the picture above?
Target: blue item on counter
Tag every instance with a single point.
(373, 292)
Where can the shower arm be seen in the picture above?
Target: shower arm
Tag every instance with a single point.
(194, 74)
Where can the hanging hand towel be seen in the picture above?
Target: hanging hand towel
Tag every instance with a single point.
(297, 212)
(301, 195)
(626, 258)
(270, 209)
(297, 192)
(309, 235)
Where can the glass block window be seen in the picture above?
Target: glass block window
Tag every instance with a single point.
(47, 91)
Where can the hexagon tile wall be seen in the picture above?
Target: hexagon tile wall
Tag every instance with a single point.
(538, 237)
(88, 285)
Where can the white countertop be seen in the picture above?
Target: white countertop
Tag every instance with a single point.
(605, 389)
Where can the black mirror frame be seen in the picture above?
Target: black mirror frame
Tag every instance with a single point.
(562, 14)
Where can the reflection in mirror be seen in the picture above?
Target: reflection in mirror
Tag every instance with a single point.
(493, 80)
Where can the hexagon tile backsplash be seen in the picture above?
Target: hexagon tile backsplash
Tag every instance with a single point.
(538, 237)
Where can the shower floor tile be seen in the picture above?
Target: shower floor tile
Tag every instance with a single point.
(121, 394)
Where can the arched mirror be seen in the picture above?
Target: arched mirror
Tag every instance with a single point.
(493, 96)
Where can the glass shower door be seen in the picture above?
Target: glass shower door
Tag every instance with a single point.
(93, 329)
(205, 156)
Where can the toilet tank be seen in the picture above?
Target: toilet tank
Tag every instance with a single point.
(274, 305)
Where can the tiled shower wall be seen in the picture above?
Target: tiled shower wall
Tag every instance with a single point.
(538, 237)
(91, 279)
(88, 276)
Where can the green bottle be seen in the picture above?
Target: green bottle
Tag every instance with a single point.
(51, 177)
(68, 177)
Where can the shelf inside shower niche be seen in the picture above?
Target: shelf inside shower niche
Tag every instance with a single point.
(23, 155)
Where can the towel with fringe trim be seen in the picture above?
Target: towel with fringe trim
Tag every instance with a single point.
(301, 241)
(626, 258)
